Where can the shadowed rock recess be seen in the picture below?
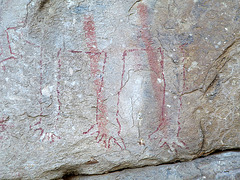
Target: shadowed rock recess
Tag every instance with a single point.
(91, 86)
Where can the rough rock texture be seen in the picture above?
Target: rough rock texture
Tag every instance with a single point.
(93, 86)
(224, 166)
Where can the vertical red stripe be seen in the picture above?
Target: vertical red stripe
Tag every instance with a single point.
(156, 67)
(94, 54)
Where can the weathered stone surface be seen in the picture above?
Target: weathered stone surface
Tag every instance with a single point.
(222, 166)
(96, 86)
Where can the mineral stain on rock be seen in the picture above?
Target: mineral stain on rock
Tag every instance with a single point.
(43, 3)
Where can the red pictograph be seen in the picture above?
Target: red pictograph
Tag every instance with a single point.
(40, 98)
(157, 69)
(7, 54)
(98, 60)
(8, 40)
(183, 68)
(168, 136)
(4, 127)
(124, 55)
(103, 134)
(1, 49)
(44, 135)
(58, 83)
(183, 88)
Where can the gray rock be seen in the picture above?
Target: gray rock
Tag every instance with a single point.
(225, 165)
(96, 86)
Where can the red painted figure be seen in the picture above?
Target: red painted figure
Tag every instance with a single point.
(94, 54)
(167, 135)
(9, 54)
(37, 127)
(4, 127)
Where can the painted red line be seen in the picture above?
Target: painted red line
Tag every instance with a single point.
(92, 126)
(124, 55)
(164, 83)
(184, 69)
(165, 143)
(94, 54)
(41, 77)
(40, 90)
(39, 122)
(28, 42)
(118, 100)
(58, 83)
(3, 126)
(115, 142)
(98, 74)
(157, 69)
(184, 78)
(1, 50)
(183, 86)
(89, 28)
(179, 128)
(73, 51)
(50, 137)
(41, 131)
(8, 40)
(14, 28)
(40, 99)
(7, 59)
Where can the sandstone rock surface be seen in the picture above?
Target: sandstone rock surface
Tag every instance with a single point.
(94, 86)
(220, 166)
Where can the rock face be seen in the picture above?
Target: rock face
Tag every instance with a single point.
(89, 87)
(222, 166)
